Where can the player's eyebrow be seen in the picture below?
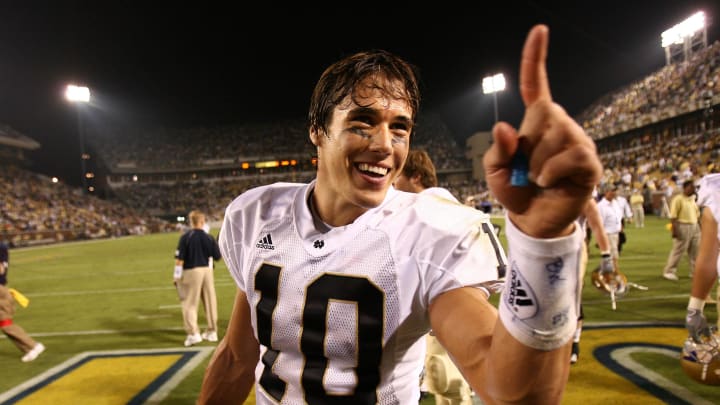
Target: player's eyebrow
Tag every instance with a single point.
(360, 111)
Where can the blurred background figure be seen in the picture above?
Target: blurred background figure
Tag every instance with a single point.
(440, 376)
(419, 176)
(592, 222)
(611, 217)
(684, 214)
(14, 332)
(637, 205)
(193, 274)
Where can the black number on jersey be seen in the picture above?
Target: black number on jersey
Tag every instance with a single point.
(369, 300)
(490, 231)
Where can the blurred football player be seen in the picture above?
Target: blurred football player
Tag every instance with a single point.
(440, 377)
(590, 218)
(701, 351)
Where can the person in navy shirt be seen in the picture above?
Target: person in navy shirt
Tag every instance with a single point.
(194, 279)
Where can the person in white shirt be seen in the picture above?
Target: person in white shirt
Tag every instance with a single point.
(611, 216)
(339, 280)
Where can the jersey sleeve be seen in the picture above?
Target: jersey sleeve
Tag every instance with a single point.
(455, 246)
(709, 194)
(230, 246)
(476, 260)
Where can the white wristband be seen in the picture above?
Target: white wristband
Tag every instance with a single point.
(177, 273)
(696, 303)
(540, 303)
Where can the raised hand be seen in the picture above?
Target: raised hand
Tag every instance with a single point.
(562, 159)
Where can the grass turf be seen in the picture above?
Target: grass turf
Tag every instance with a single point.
(118, 294)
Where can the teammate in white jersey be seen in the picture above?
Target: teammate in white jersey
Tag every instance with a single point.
(439, 375)
(707, 263)
(339, 280)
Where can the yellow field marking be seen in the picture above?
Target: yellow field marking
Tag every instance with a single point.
(109, 378)
(592, 382)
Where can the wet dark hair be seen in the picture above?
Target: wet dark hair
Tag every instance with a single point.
(392, 75)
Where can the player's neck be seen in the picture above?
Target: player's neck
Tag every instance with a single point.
(320, 225)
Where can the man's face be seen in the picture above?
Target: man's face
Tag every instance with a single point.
(364, 150)
(690, 189)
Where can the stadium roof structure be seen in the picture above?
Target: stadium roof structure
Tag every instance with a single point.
(12, 137)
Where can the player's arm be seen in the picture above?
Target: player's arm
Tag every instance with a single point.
(704, 277)
(528, 358)
(499, 368)
(230, 375)
(592, 214)
(705, 272)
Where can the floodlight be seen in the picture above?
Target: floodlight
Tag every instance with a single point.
(79, 94)
(685, 29)
(492, 84)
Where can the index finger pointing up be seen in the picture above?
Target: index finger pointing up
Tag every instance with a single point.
(534, 84)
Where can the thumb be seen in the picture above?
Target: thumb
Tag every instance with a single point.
(505, 143)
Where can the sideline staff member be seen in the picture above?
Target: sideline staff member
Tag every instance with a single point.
(194, 276)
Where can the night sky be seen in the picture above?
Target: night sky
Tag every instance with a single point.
(159, 63)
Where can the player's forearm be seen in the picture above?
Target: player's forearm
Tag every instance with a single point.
(227, 380)
(540, 228)
(594, 221)
(704, 278)
(518, 374)
(529, 360)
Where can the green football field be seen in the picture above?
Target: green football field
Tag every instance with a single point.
(110, 318)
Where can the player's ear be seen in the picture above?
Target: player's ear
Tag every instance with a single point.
(315, 137)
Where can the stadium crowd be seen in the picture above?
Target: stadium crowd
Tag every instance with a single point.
(674, 90)
(33, 210)
(647, 136)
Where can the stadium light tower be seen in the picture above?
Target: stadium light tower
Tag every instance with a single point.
(687, 36)
(79, 95)
(493, 84)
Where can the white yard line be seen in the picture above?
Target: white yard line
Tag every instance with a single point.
(112, 291)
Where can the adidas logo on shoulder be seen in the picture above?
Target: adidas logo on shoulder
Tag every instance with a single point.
(265, 243)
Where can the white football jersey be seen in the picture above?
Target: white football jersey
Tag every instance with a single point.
(340, 315)
(441, 193)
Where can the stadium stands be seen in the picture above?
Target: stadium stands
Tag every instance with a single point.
(651, 134)
(34, 210)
